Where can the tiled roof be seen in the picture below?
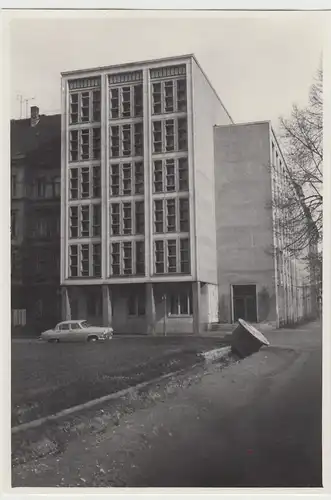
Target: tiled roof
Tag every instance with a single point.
(42, 141)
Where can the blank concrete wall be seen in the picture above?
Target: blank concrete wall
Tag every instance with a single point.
(244, 216)
(208, 111)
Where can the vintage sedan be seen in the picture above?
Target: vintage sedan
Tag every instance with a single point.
(77, 331)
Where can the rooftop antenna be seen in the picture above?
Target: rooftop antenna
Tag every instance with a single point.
(27, 105)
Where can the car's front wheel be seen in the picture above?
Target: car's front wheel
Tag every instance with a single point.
(92, 338)
(56, 341)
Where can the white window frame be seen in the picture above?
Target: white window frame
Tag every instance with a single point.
(121, 245)
(133, 145)
(167, 255)
(91, 148)
(164, 203)
(163, 83)
(160, 167)
(91, 217)
(120, 91)
(79, 169)
(178, 312)
(164, 124)
(121, 206)
(91, 110)
(91, 263)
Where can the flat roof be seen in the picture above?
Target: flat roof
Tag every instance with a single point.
(146, 63)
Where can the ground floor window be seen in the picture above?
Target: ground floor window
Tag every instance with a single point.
(244, 303)
(136, 304)
(181, 303)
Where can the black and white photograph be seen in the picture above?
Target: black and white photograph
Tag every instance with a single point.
(166, 249)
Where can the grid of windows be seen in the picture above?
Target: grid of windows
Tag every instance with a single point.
(169, 135)
(85, 182)
(85, 144)
(172, 256)
(170, 174)
(84, 221)
(171, 215)
(169, 96)
(85, 106)
(126, 102)
(126, 179)
(126, 140)
(85, 260)
(127, 258)
(127, 218)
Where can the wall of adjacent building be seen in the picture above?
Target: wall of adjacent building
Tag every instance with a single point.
(244, 216)
(207, 112)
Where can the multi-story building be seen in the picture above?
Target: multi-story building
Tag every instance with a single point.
(258, 278)
(138, 240)
(35, 220)
(167, 219)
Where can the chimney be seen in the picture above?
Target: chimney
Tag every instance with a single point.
(34, 116)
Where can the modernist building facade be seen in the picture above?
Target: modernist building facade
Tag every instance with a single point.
(165, 221)
(138, 240)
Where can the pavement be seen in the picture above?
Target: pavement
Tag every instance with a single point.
(252, 423)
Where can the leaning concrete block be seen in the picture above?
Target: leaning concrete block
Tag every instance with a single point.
(246, 339)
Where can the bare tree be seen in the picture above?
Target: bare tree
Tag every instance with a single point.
(299, 203)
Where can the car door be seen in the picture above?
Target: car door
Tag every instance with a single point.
(64, 332)
(76, 332)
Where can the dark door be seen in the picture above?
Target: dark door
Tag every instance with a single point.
(244, 303)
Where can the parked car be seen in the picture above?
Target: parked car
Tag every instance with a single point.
(77, 331)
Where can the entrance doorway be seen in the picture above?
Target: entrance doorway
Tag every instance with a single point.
(244, 303)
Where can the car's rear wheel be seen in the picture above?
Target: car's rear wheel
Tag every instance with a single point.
(54, 340)
(92, 338)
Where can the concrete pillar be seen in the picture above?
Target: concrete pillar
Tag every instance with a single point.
(196, 307)
(106, 306)
(65, 304)
(150, 309)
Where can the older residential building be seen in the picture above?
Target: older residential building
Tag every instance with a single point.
(35, 220)
(138, 240)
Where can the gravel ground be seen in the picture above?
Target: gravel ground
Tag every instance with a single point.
(47, 378)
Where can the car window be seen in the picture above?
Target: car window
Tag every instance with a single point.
(64, 327)
(74, 326)
(85, 324)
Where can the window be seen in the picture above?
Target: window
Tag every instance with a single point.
(127, 218)
(184, 215)
(126, 102)
(84, 260)
(126, 140)
(115, 227)
(158, 216)
(127, 257)
(96, 260)
(85, 144)
(181, 304)
(136, 304)
(56, 187)
(177, 256)
(177, 215)
(169, 135)
(171, 215)
(64, 326)
(13, 223)
(159, 257)
(41, 187)
(115, 259)
(85, 106)
(73, 261)
(139, 177)
(184, 256)
(139, 217)
(172, 258)
(182, 174)
(170, 175)
(158, 176)
(96, 221)
(85, 182)
(14, 186)
(126, 179)
(85, 221)
(140, 257)
(138, 139)
(169, 96)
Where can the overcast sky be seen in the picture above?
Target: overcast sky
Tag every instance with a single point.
(258, 65)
